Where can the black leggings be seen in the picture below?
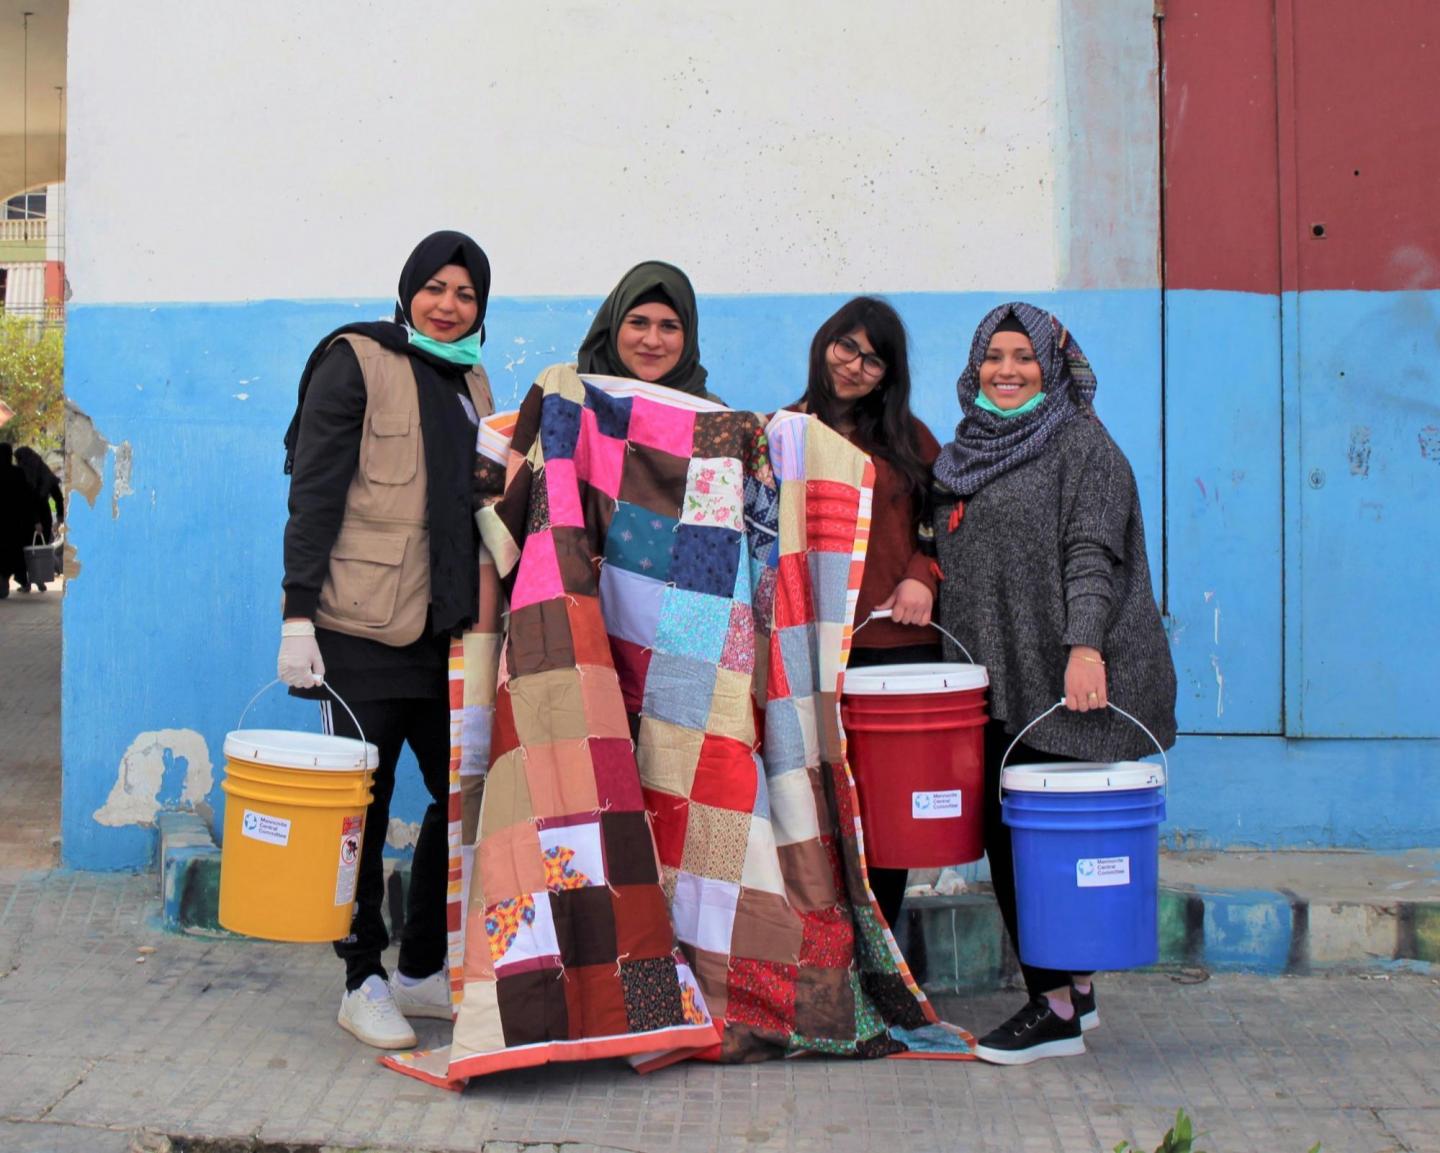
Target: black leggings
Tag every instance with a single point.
(1002, 858)
(388, 725)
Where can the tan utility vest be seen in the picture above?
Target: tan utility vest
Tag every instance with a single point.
(378, 585)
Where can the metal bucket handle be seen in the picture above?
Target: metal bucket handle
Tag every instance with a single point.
(323, 685)
(1060, 704)
(886, 614)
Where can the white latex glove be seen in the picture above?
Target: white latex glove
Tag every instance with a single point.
(299, 664)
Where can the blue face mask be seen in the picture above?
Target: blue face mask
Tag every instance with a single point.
(983, 401)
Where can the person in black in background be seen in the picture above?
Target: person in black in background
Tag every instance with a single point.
(46, 487)
(19, 518)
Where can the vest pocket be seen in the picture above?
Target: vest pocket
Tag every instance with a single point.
(391, 451)
(364, 577)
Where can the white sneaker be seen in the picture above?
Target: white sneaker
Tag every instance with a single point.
(427, 998)
(370, 1014)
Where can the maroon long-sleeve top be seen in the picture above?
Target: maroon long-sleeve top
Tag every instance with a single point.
(894, 552)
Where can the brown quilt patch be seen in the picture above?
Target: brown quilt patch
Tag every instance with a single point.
(824, 1003)
(642, 922)
(585, 926)
(540, 639)
(766, 927)
(629, 849)
(595, 1001)
(533, 1007)
(809, 875)
(654, 479)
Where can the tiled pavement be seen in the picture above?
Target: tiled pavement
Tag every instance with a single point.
(228, 1039)
(234, 1040)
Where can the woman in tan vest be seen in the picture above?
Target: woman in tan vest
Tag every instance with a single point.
(381, 570)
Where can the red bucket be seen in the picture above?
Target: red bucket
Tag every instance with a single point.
(916, 742)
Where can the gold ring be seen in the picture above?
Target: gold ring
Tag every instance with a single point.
(1094, 696)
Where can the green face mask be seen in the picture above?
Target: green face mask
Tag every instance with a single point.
(983, 401)
(464, 351)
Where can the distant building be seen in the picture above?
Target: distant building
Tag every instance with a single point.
(32, 253)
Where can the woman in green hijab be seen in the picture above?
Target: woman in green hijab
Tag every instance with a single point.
(648, 329)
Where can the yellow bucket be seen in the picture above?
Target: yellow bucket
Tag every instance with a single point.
(294, 826)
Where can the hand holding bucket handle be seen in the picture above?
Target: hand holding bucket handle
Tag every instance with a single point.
(885, 615)
(323, 685)
(1060, 704)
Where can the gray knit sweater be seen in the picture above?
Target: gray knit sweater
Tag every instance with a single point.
(1050, 555)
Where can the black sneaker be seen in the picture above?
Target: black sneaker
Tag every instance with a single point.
(1031, 1034)
(1085, 1008)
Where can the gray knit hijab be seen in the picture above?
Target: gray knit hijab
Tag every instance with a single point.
(986, 445)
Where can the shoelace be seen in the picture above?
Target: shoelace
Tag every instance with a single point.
(1042, 1010)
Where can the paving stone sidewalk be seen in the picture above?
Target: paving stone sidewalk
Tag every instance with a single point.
(214, 1041)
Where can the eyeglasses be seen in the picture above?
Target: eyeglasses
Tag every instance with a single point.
(846, 350)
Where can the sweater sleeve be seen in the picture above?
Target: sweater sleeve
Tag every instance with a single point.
(1100, 499)
(326, 456)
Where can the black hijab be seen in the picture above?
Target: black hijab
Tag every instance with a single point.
(652, 280)
(449, 443)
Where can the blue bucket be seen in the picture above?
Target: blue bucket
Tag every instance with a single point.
(1086, 842)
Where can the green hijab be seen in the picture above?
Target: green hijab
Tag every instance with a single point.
(598, 353)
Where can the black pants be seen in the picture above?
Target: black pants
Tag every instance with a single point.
(425, 725)
(888, 885)
(1002, 857)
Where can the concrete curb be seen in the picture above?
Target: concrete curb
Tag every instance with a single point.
(189, 876)
(964, 948)
(958, 945)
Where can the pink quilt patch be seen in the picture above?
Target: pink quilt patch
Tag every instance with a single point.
(669, 429)
(600, 459)
(563, 492)
(539, 578)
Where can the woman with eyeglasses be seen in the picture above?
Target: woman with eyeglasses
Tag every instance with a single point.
(1037, 525)
(859, 385)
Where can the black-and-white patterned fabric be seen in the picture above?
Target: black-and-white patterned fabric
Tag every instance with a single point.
(986, 445)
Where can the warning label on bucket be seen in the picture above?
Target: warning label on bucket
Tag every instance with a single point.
(259, 827)
(1098, 872)
(935, 806)
(350, 830)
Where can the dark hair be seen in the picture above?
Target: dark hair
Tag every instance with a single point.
(6, 453)
(884, 426)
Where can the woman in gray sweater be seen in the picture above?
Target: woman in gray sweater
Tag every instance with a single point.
(1039, 536)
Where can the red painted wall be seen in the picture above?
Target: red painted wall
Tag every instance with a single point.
(1284, 117)
(1221, 193)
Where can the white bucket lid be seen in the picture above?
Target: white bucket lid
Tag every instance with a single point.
(1082, 777)
(938, 677)
(289, 750)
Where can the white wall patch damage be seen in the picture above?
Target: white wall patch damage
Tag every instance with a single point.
(402, 834)
(135, 797)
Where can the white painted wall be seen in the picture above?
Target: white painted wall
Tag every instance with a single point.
(247, 149)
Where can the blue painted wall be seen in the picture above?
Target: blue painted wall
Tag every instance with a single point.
(172, 620)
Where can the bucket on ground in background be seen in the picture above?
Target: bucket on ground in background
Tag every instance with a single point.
(915, 736)
(1086, 842)
(294, 826)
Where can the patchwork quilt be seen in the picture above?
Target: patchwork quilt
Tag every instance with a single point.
(656, 846)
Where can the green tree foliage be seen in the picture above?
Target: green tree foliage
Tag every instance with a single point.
(32, 382)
